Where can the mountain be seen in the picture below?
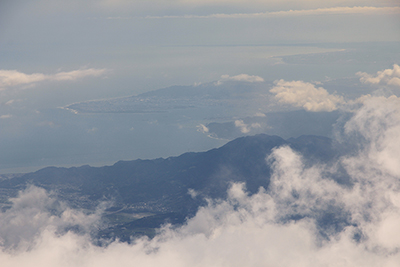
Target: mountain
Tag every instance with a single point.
(147, 193)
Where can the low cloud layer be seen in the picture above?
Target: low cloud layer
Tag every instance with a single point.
(130, 6)
(389, 77)
(13, 78)
(366, 10)
(305, 95)
(305, 218)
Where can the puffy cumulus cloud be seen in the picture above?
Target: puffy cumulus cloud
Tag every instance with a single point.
(240, 78)
(12, 78)
(389, 77)
(305, 218)
(375, 172)
(378, 122)
(246, 128)
(305, 95)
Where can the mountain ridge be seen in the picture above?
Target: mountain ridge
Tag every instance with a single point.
(161, 187)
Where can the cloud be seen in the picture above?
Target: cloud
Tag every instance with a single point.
(378, 123)
(305, 218)
(389, 77)
(12, 78)
(192, 193)
(124, 7)
(33, 212)
(240, 78)
(365, 10)
(305, 95)
(6, 116)
(47, 124)
(92, 130)
(10, 102)
(260, 114)
(202, 128)
(246, 128)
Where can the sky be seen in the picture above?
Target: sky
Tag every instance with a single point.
(146, 45)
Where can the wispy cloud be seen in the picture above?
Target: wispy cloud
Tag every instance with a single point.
(12, 78)
(305, 95)
(366, 10)
(6, 116)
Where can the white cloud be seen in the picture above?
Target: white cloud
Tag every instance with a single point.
(77, 74)
(246, 128)
(260, 4)
(12, 78)
(389, 77)
(192, 193)
(119, 8)
(259, 114)
(378, 121)
(240, 78)
(34, 212)
(366, 10)
(202, 128)
(6, 116)
(305, 95)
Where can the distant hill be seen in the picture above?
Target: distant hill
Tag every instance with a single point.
(160, 187)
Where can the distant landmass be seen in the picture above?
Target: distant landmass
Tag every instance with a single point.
(228, 94)
(180, 97)
(284, 124)
(147, 193)
(226, 110)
